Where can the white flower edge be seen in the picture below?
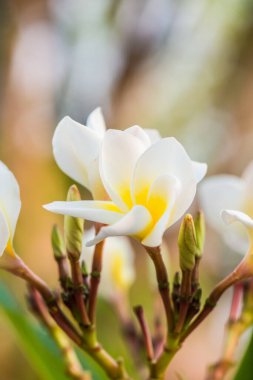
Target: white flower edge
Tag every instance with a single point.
(217, 193)
(10, 205)
(232, 216)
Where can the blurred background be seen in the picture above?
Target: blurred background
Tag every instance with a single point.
(184, 67)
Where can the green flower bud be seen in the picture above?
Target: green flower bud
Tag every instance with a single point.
(57, 243)
(187, 243)
(200, 229)
(73, 228)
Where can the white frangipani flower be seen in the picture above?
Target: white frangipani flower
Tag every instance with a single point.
(233, 193)
(10, 205)
(76, 149)
(149, 188)
(118, 272)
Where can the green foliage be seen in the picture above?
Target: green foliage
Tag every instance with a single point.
(36, 344)
(245, 370)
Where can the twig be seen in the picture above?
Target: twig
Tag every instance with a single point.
(163, 283)
(95, 280)
(73, 367)
(139, 312)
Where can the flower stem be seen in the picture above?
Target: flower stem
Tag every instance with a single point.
(77, 279)
(163, 283)
(73, 367)
(95, 280)
(242, 271)
(139, 312)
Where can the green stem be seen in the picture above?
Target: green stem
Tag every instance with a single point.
(114, 368)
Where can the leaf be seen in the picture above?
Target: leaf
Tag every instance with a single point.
(245, 369)
(39, 348)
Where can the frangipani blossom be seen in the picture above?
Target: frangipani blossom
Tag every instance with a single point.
(76, 149)
(118, 272)
(149, 188)
(228, 192)
(10, 205)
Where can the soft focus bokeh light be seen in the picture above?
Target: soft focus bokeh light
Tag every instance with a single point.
(183, 67)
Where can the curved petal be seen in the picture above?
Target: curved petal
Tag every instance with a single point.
(134, 223)
(200, 169)
(10, 203)
(161, 204)
(96, 122)
(75, 147)
(5, 233)
(153, 134)
(96, 211)
(139, 132)
(219, 192)
(231, 216)
(167, 156)
(119, 153)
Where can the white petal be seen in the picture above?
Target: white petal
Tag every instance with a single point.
(5, 233)
(220, 192)
(10, 203)
(153, 134)
(96, 122)
(119, 153)
(231, 216)
(134, 223)
(95, 211)
(164, 190)
(75, 147)
(138, 132)
(118, 266)
(200, 170)
(167, 156)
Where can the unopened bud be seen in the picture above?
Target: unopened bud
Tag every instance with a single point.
(200, 229)
(57, 243)
(73, 228)
(187, 243)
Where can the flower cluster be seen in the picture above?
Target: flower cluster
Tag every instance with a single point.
(140, 186)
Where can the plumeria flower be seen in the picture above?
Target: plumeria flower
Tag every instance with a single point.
(118, 272)
(149, 187)
(76, 149)
(228, 192)
(10, 205)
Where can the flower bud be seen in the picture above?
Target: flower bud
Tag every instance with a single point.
(200, 229)
(187, 243)
(73, 228)
(57, 243)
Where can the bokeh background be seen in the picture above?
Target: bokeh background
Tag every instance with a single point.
(184, 67)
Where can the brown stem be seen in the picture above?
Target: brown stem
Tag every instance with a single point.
(63, 271)
(185, 297)
(163, 283)
(77, 279)
(16, 266)
(242, 271)
(139, 312)
(95, 280)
